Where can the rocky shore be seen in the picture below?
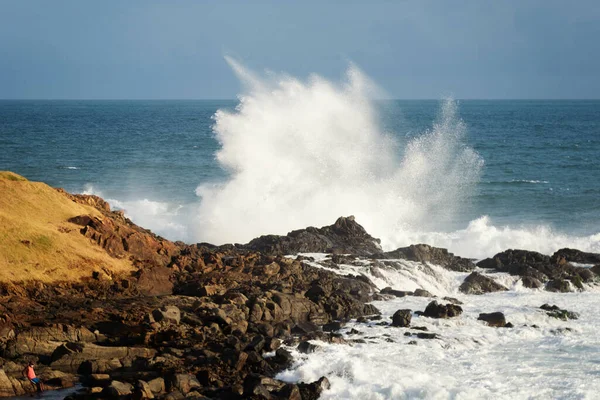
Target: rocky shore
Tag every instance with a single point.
(217, 322)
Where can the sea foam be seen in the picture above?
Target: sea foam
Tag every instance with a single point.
(303, 153)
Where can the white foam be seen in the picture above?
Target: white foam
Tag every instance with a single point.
(302, 153)
(163, 218)
(470, 360)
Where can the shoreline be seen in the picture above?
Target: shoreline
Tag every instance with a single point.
(216, 321)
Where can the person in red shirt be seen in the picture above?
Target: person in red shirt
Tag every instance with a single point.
(29, 373)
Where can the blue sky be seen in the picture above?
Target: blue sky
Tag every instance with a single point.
(412, 49)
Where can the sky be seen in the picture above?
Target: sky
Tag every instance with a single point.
(175, 49)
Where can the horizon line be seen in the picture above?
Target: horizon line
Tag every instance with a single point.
(236, 99)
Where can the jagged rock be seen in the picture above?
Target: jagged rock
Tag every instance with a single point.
(345, 236)
(434, 255)
(142, 391)
(578, 256)
(167, 314)
(184, 383)
(556, 312)
(539, 266)
(401, 318)
(312, 391)
(496, 319)
(477, 283)
(306, 347)
(435, 310)
(289, 392)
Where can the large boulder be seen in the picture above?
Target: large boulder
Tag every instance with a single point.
(434, 255)
(477, 283)
(574, 255)
(496, 319)
(401, 318)
(91, 358)
(344, 236)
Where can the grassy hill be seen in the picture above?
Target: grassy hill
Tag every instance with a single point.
(36, 240)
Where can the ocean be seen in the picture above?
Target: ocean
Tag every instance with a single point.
(474, 176)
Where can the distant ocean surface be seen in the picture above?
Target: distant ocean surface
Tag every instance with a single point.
(510, 173)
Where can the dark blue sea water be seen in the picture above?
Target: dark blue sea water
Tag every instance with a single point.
(541, 158)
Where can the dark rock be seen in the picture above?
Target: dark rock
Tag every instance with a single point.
(496, 319)
(332, 326)
(556, 312)
(477, 283)
(117, 389)
(539, 266)
(306, 347)
(401, 318)
(453, 300)
(397, 293)
(346, 236)
(558, 285)
(531, 282)
(433, 255)
(422, 293)
(435, 310)
(312, 391)
(289, 392)
(573, 255)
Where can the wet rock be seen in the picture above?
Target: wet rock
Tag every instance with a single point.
(558, 285)
(289, 392)
(423, 335)
(556, 312)
(578, 256)
(531, 282)
(332, 326)
(312, 391)
(306, 347)
(435, 310)
(434, 255)
(453, 300)
(422, 293)
(397, 293)
(496, 319)
(477, 283)
(401, 318)
(539, 266)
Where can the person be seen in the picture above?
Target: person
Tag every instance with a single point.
(29, 373)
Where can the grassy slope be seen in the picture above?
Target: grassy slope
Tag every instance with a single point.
(37, 242)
